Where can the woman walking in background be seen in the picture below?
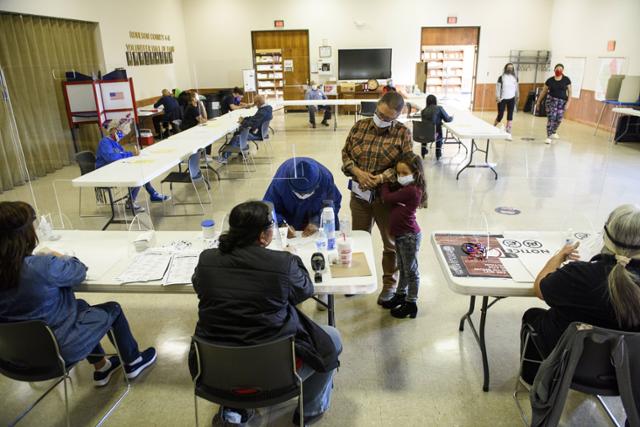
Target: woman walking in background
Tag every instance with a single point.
(558, 92)
(507, 95)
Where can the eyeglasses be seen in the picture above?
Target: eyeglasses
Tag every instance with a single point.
(385, 118)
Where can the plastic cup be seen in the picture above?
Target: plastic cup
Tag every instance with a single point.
(208, 229)
(284, 231)
(345, 252)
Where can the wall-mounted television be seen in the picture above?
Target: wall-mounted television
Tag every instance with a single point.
(364, 64)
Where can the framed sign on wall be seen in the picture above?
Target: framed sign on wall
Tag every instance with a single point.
(325, 52)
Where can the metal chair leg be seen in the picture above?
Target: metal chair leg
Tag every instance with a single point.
(608, 411)
(195, 405)
(66, 400)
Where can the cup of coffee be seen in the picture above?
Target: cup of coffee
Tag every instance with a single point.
(345, 252)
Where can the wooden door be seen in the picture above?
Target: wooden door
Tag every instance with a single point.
(294, 45)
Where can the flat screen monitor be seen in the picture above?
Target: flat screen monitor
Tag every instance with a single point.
(364, 64)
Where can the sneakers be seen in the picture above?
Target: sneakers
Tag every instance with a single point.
(221, 160)
(397, 300)
(101, 379)
(157, 197)
(547, 141)
(136, 207)
(509, 137)
(232, 417)
(324, 123)
(385, 295)
(313, 125)
(555, 136)
(146, 359)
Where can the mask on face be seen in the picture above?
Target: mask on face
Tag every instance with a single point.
(558, 72)
(381, 123)
(405, 180)
(238, 98)
(119, 135)
(303, 196)
(509, 70)
(314, 87)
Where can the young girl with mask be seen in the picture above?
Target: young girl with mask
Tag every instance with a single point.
(507, 94)
(407, 195)
(557, 90)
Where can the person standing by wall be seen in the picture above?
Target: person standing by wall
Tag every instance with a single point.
(558, 92)
(371, 151)
(507, 94)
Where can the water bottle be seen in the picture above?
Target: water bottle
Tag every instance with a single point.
(328, 221)
(569, 238)
(321, 241)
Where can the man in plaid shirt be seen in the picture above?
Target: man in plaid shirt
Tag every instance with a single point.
(369, 156)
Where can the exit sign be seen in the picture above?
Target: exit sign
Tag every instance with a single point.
(452, 19)
(278, 23)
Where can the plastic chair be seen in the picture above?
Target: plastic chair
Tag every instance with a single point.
(191, 176)
(29, 352)
(596, 373)
(87, 162)
(243, 149)
(247, 377)
(424, 132)
(266, 139)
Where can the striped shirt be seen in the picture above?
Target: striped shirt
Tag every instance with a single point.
(375, 150)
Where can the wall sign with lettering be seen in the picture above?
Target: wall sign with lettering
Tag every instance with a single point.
(149, 54)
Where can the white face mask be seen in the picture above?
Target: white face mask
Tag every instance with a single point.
(380, 123)
(405, 180)
(303, 196)
(314, 87)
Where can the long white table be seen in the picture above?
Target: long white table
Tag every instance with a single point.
(619, 112)
(108, 253)
(492, 287)
(319, 102)
(159, 158)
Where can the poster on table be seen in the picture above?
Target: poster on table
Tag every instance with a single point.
(463, 265)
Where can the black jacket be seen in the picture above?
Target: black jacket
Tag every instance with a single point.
(249, 296)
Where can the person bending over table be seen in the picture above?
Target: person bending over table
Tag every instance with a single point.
(604, 291)
(298, 192)
(253, 123)
(109, 150)
(248, 296)
(371, 151)
(40, 287)
(233, 101)
(315, 93)
(171, 109)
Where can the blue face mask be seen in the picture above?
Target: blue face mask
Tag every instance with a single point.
(119, 135)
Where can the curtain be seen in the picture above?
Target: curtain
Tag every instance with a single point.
(35, 52)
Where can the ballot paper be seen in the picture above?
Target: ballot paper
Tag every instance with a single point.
(365, 195)
(146, 267)
(181, 269)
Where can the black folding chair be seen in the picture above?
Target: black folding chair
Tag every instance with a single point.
(29, 352)
(247, 377)
(595, 373)
(424, 132)
(368, 108)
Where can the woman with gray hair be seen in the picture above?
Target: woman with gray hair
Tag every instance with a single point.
(604, 291)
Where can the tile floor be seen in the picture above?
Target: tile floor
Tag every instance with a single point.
(420, 372)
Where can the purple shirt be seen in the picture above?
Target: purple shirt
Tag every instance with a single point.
(404, 201)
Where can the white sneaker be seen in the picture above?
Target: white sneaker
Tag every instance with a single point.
(324, 299)
(500, 126)
(509, 137)
(547, 141)
(555, 136)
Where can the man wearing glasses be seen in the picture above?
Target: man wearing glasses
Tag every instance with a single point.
(369, 156)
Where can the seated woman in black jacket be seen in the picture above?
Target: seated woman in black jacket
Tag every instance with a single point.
(248, 295)
(604, 291)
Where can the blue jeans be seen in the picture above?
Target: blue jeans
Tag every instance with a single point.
(407, 246)
(235, 142)
(318, 386)
(133, 192)
(118, 323)
(253, 137)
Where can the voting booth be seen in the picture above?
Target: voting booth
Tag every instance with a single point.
(96, 101)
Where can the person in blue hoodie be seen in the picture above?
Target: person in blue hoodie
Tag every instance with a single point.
(109, 150)
(40, 287)
(298, 192)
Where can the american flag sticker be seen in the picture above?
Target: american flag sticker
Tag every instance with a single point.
(116, 95)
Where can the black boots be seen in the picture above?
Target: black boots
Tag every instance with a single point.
(396, 300)
(406, 309)
(424, 150)
(438, 153)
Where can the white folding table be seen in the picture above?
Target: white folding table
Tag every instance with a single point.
(108, 253)
(322, 102)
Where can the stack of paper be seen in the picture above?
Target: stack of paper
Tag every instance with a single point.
(146, 267)
(181, 269)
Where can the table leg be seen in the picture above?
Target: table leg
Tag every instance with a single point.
(599, 118)
(335, 117)
(483, 346)
(331, 310)
(467, 315)
(471, 151)
(113, 212)
(626, 128)
(486, 159)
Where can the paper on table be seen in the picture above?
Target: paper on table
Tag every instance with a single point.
(146, 267)
(181, 269)
(517, 270)
(532, 250)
